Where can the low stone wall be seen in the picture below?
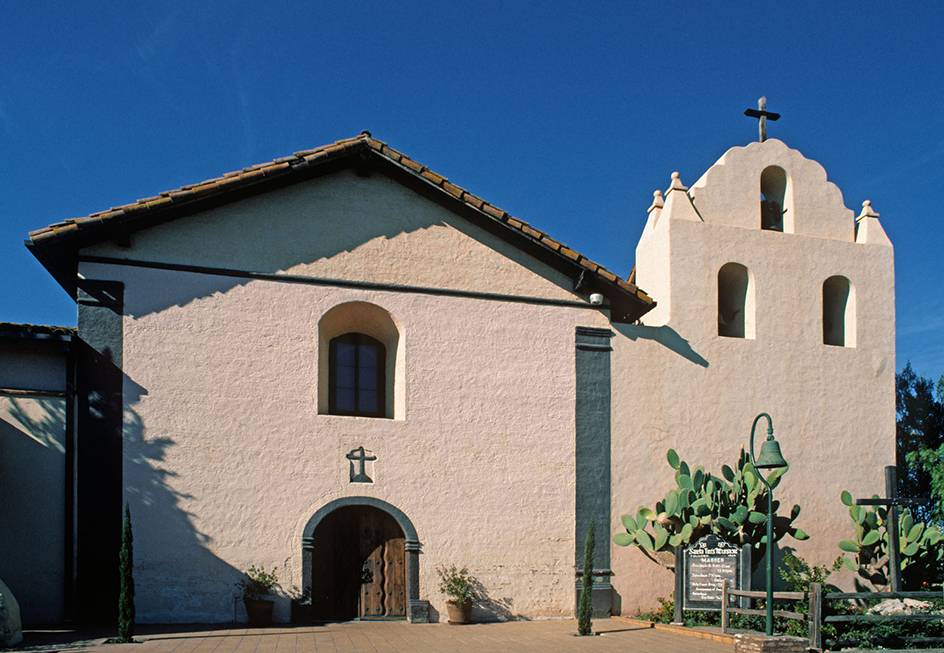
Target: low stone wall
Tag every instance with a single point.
(765, 644)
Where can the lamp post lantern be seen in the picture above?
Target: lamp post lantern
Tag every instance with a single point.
(770, 458)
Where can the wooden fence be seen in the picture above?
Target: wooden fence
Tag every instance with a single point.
(727, 609)
(815, 598)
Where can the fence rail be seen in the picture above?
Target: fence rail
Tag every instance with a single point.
(817, 619)
(727, 609)
(815, 598)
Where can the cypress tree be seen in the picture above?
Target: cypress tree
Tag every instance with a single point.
(585, 609)
(126, 569)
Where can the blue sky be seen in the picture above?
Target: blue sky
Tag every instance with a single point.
(566, 116)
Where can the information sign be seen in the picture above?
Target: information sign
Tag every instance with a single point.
(707, 563)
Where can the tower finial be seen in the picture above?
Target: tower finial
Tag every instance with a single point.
(762, 115)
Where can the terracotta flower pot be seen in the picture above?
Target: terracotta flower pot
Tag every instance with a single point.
(459, 613)
(259, 611)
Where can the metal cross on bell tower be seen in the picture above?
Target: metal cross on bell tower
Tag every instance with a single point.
(762, 115)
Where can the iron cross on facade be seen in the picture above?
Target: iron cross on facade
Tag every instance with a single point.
(359, 455)
(762, 115)
(892, 502)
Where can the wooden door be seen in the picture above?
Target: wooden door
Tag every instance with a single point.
(358, 566)
(383, 576)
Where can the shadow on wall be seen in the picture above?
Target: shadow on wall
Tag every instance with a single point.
(178, 579)
(193, 585)
(665, 336)
(32, 511)
(48, 427)
(489, 608)
(304, 229)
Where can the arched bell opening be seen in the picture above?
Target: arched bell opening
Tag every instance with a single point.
(735, 301)
(839, 321)
(775, 212)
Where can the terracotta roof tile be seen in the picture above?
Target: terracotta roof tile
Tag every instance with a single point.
(569, 253)
(606, 274)
(229, 181)
(433, 177)
(412, 165)
(137, 207)
(452, 189)
(304, 159)
(157, 202)
(477, 202)
(494, 211)
(534, 233)
(314, 156)
(203, 190)
(392, 154)
(278, 168)
(253, 175)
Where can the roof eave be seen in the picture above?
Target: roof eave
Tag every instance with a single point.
(57, 246)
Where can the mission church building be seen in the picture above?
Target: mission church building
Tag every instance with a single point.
(342, 365)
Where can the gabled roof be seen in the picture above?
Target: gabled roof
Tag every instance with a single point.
(57, 245)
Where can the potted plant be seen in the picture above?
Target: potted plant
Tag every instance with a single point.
(459, 586)
(256, 587)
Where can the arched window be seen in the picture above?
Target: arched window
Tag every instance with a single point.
(360, 362)
(735, 302)
(356, 383)
(773, 189)
(838, 312)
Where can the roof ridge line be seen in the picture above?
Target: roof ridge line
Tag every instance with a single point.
(63, 232)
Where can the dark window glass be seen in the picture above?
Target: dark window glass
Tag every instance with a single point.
(356, 384)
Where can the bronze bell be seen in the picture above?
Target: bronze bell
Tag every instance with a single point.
(770, 456)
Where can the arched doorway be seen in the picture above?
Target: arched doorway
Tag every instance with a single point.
(360, 561)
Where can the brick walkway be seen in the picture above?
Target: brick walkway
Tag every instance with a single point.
(551, 636)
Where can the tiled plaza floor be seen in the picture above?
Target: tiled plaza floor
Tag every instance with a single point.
(551, 636)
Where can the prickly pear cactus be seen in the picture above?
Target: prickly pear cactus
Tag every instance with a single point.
(732, 506)
(918, 544)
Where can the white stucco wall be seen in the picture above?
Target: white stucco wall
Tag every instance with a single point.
(680, 385)
(227, 456)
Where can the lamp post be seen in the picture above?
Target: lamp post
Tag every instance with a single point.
(770, 458)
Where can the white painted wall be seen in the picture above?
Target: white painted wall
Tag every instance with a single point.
(833, 407)
(227, 456)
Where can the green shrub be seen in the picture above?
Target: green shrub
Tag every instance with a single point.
(585, 609)
(126, 580)
(258, 583)
(457, 584)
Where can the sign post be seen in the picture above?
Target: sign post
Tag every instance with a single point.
(891, 524)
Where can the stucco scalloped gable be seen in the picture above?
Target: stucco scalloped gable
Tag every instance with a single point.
(729, 192)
